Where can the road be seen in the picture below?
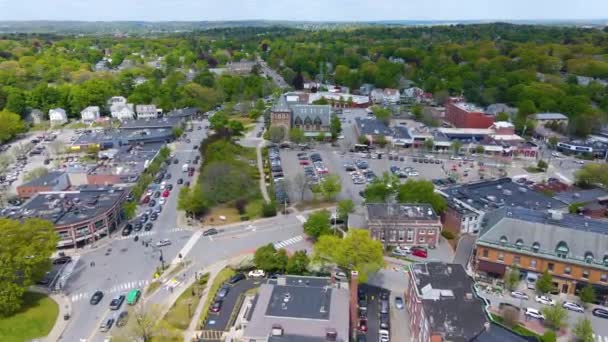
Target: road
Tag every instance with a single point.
(266, 70)
(600, 326)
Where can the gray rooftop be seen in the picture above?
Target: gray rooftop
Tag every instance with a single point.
(165, 122)
(296, 338)
(183, 112)
(402, 211)
(117, 137)
(281, 105)
(50, 179)
(549, 116)
(580, 195)
(311, 114)
(449, 300)
(372, 126)
(400, 132)
(301, 306)
(68, 207)
(530, 227)
(127, 161)
(493, 194)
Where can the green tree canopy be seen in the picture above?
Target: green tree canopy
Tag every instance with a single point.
(382, 114)
(318, 223)
(298, 263)
(329, 187)
(276, 134)
(583, 330)
(269, 259)
(555, 316)
(421, 191)
(381, 189)
(35, 174)
(296, 135)
(544, 284)
(592, 174)
(587, 295)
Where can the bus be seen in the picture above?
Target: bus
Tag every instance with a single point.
(133, 296)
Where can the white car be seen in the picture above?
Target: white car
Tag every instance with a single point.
(519, 295)
(383, 335)
(162, 201)
(544, 300)
(573, 307)
(530, 312)
(412, 174)
(402, 250)
(579, 162)
(256, 274)
(163, 242)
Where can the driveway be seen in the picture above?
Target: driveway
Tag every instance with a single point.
(220, 320)
(464, 250)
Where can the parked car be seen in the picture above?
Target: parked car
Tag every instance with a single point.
(211, 231)
(399, 303)
(236, 278)
(384, 321)
(600, 312)
(216, 306)
(573, 307)
(122, 319)
(180, 181)
(519, 295)
(96, 298)
(148, 226)
(223, 292)
(531, 312)
(362, 325)
(116, 303)
(402, 251)
(419, 252)
(163, 242)
(256, 274)
(542, 299)
(383, 335)
(62, 260)
(106, 325)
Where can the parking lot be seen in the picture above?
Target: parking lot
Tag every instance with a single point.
(221, 319)
(372, 314)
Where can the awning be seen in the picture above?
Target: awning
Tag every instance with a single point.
(531, 275)
(491, 267)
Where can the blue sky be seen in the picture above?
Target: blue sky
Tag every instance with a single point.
(341, 10)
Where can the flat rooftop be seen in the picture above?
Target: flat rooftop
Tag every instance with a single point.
(119, 136)
(469, 107)
(68, 207)
(450, 304)
(164, 122)
(127, 160)
(493, 194)
(299, 302)
(403, 211)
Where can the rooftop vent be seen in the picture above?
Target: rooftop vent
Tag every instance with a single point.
(556, 215)
(277, 330)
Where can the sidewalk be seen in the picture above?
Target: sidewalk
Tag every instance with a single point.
(263, 189)
(65, 308)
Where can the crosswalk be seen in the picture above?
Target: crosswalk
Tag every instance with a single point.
(288, 242)
(143, 233)
(600, 338)
(301, 218)
(121, 288)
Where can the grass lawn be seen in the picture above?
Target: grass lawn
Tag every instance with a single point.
(253, 211)
(533, 169)
(314, 205)
(220, 279)
(153, 286)
(180, 314)
(36, 319)
(518, 328)
(43, 126)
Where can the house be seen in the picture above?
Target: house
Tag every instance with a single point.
(314, 120)
(122, 111)
(412, 94)
(57, 116)
(572, 248)
(391, 96)
(377, 95)
(366, 89)
(35, 116)
(116, 100)
(467, 115)
(299, 308)
(240, 68)
(443, 304)
(544, 118)
(52, 181)
(146, 111)
(90, 114)
(497, 108)
(399, 224)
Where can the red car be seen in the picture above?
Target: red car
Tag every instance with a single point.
(304, 162)
(190, 173)
(166, 193)
(146, 199)
(419, 252)
(362, 326)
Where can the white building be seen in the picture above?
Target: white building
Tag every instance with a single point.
(115, 100)
(90, 114)
(391, 95)
(377, 95)
(57, 116)
(122, 111)
(146, 111)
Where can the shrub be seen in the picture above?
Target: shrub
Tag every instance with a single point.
(269, 209)
(241, 205)
(447, 234)
(244, 218)
(548, 336)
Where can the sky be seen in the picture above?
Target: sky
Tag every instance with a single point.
(301, 10)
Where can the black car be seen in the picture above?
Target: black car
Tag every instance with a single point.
(126, 231)
(144, 218)
(223, 292)
(168, 176)
(169, 187)
(137, 226)
(600, 312)
(236, 278)
(152, 203)
(148, 226)
(122, 319)
(188, 141)
(180, 181)
(175, 161)
(157, 194)
(153, 216)
(384, 295)
(187, 183)
(116, 303)
(384, 321)
(211, 231)
(96, 298)
(62, 260)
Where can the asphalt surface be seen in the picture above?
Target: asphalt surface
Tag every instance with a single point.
(464, 250)
(220, 320)
(267, 71)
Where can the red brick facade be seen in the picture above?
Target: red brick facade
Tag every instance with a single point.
(463, 118)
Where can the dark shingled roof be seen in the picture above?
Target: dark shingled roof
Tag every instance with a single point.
(50, 179)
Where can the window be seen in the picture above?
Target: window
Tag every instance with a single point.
(605, 260)
(550, 266)
(430, 232)
(392, 235)
(561, 250)
(604, 277)
(382, 235)
(519, 243)
(410, 235)
(421, 239)
(485, 253)
(401, 235)
(421, 232)
(586, 274)
(501, 256)
(536, 247)
(567, 270)
(503, 240)
(532, 263)
(589, 257)
(516, 260)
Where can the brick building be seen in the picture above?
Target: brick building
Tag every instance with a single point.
(466, 115)
(573, 249)
(52, 181)
(442, 304)
(403, 224)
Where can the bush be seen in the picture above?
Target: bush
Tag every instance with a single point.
(241, 205)
(548, 336)
(448, 235)
(269, 209)
(244, 218)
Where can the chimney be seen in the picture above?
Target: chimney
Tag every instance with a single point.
(354, 288)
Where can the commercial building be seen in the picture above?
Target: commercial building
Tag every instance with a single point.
(467, 115)
(115, 138)
(314, 120)
(242, 67)
(148, 111)
(372, 129)
(80, 216)
(399, 224)
(468, 203)
(340, 99)
(442, 304)
(186, 113)
(122, 165)
(168, 122)
(572, 248)
(52, 181)
(295, 308)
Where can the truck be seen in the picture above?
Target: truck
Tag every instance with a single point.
(185, 167)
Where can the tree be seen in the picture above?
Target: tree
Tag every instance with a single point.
(542, 165)
(548, 336)
(417, 111)
(512, 278)
(583, 330)
(269, 209)
(382, 114)
(25, 253)
(362, 139)
(296, 135)
(544, 284)
(355, 252)
(555, 316)
(35, 174)
(381, 189)
(592, 174)
(300, 184)
(177, 132)
(345, 207)
(142, 323)
(329, 187)
(456, 145)
(479, 149)
(553, 140)
(298, 263)
(421, 191)
(381, 141)
(317, 224)
(587, 295)
(269, 259)
(276, 134)
(298, 81)
(335, 127)
(502, 117)
(429, 144)
(11, 125)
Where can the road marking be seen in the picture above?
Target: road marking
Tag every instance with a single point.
(187, 247)
(150, 233)
(121, 288)
(600, 338)
(301, 218)
(288, 242)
